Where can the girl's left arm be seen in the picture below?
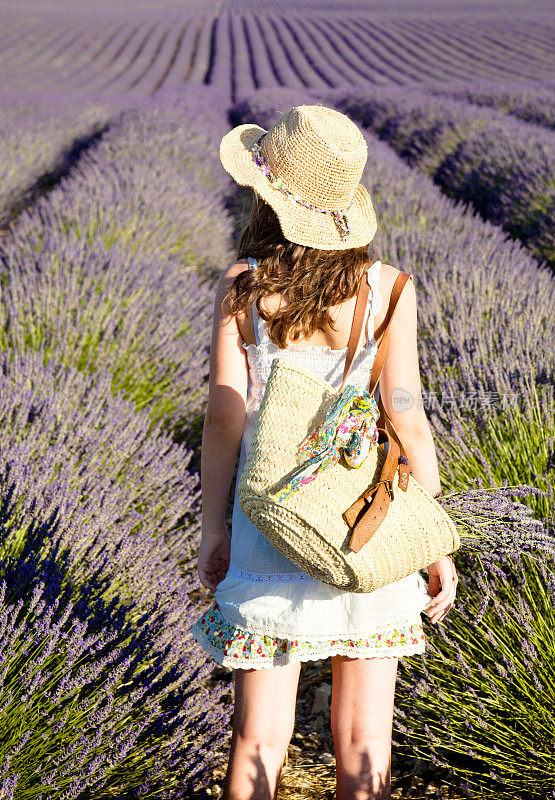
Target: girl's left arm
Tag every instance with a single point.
(224, 422)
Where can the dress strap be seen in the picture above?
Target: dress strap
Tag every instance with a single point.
(373, 306)
(253, 263)
(374, 300)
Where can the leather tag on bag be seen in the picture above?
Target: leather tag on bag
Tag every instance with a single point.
(404, 472)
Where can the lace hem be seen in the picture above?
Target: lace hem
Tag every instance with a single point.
(271, 577)
(245, 663)
(233, 646)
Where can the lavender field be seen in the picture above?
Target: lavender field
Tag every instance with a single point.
(116, 219)
(243, 45)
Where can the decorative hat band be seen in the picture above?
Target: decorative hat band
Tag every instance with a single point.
(339, 217)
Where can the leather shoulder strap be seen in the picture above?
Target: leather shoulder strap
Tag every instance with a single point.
(383, 343)
(356, 325)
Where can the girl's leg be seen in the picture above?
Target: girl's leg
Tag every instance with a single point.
(263, 721)
(363, 693)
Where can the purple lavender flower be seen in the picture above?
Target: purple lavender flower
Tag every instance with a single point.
(100, 512)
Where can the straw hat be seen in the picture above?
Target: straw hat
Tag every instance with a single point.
(307, 168)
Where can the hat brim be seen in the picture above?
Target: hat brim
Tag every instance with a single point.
(298, 224)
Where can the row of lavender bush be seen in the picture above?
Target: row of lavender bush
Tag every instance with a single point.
(103, 692)
(501, 165)
(240, 52)
(111, 266)
(104, 345)
(41, 136)
(530, 102)
(485, 355)
(150, 183)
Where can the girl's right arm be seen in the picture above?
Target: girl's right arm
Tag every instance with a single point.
(401, 393)
(401, 390)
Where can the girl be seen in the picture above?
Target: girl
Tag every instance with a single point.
(291, 294)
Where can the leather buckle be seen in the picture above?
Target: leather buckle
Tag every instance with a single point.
(388, 485)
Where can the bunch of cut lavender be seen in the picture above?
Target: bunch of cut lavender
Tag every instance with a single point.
(488, 520)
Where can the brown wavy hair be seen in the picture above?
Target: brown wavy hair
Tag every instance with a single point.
(311, 280)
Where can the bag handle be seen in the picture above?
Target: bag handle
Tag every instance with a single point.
(384, 422)
(365, 515)
(356, 325)
(379, 360)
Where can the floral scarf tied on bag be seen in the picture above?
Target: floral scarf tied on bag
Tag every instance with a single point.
(349, 427)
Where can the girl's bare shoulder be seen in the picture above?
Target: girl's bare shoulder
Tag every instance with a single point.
(388, 275)
(231, 272)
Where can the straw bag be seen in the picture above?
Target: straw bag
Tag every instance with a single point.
(356, 523)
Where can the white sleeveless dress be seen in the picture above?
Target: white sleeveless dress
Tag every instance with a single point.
(267, 611)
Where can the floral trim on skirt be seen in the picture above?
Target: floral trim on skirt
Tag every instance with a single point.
(232, 646)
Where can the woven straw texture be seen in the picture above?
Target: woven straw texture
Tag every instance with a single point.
(307, 527)
(320, 155)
